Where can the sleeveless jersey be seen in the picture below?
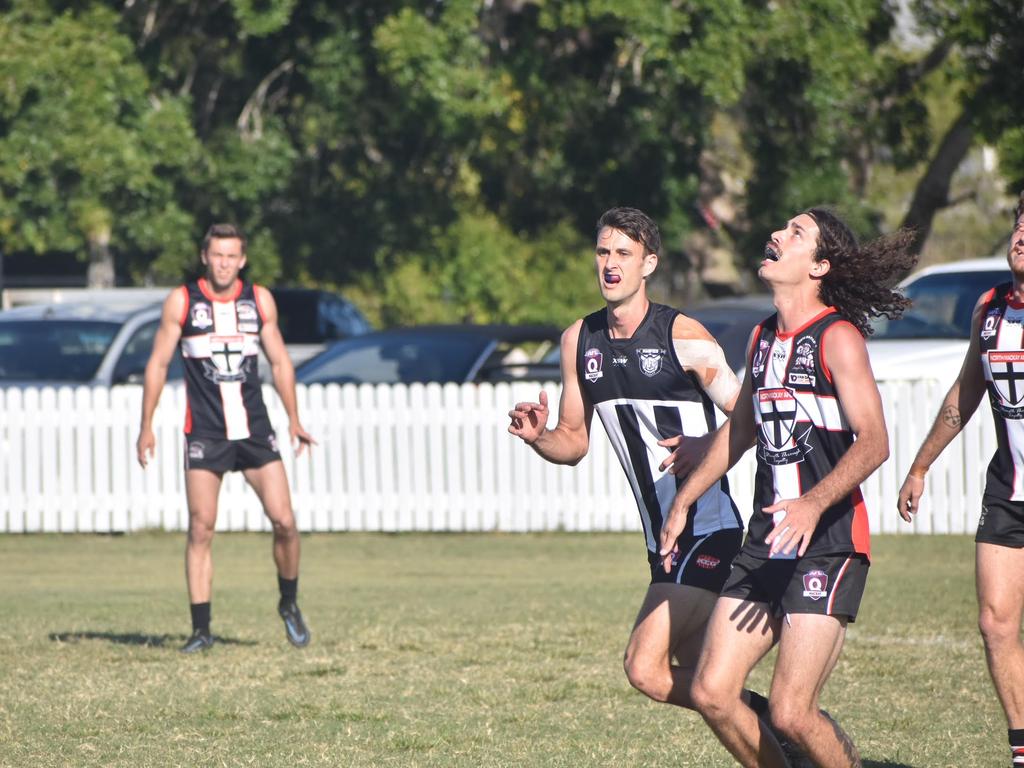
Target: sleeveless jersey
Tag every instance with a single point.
(220, 341)
(642, 395)
(1001, 335)
(802, 433)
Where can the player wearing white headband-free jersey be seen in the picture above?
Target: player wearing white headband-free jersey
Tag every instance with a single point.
(994, 362)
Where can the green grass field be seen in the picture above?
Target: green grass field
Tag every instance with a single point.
(436, 650)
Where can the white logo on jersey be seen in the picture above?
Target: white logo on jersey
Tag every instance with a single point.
(246, 310)
(650, 361)
(816, 585)
(592, 362)
(777, 412)
(991, 327)
(201, 316)
(227, 359)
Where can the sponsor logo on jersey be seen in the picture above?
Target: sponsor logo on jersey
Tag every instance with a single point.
(620, 361)
(806, 348)
(760, 357)
(248, 327)
(991, 325)
(778, 411)
(779, 353)
(246, 309)
(202, 317)
(815, 585)
(708, 562)
(593, 362)
(650, 361)
(196, 450)
(801, 379)
(1007, 367)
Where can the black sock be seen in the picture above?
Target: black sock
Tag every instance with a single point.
(289, 588)
(200, 616)
(759, 704)
(1016, 736)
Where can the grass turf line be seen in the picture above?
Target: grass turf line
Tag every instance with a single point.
(436, 650)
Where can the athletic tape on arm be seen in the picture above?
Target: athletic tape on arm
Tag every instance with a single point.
(706, 354)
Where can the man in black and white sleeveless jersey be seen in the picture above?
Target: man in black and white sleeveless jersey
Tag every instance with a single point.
(654, 376)
(810, 404)
(221, 321)
(994, 362)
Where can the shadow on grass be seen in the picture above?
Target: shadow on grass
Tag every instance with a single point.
(137, 638)
(884, 764)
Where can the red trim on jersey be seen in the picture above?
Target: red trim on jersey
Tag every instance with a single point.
(256, 298)
(184, 312)
(835, 587)
(204, 288)
(188, 416)
(988, 295)
(860, 530)
(1010, 300)
(824, 366)
(787, 336)
(754, 344)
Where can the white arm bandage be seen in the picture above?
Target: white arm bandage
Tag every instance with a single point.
(702, 353)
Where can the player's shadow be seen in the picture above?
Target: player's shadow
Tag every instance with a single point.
(138, 638)
(884, 764)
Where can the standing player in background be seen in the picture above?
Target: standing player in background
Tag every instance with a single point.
(220, 321)
(994, 361)
(653, 375)
(798, 580)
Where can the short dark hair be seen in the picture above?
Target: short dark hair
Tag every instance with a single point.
(223, 231)
(636, 225)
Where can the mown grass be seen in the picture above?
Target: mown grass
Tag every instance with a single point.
(435, 650)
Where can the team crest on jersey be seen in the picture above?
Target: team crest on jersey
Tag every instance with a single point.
(1007, 368)
(650, 361)
(227, 359)
(593, 362)
(246, 310)
(806, 348)
(991, 325)
(760, 357)
(778, 411)
(815, 585)
(202, 316)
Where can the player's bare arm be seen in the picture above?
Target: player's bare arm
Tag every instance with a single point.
(844, 349)
(164, 343)
(569, 440)
(281, 368)
(699, 353)
(956, 410)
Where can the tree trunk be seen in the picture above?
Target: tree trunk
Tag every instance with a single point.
(932, 192)
(101, 263)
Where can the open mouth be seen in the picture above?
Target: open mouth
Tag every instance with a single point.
(611, 278)
(771, 253)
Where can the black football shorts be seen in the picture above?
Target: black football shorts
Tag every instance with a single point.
(1001, 522)
(702, 561)
(220, 455)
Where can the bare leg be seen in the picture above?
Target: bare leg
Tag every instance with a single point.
(1000, 607)
(739, 634)
(808, 650)
(201, 490)
(670, 624)
(271, 485)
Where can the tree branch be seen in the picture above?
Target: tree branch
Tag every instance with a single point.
(250, 120)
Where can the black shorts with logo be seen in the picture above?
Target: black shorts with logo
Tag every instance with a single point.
(219, 455)
(1001, 522)
(702, 561)
(829, 585)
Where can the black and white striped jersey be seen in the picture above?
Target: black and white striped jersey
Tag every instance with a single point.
(642, 395)
(1001, 334)
(802, 433)
(220, 341)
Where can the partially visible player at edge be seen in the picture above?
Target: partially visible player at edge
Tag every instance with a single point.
(220, 321)
(652, 374)
(994, 361)
(797, 582)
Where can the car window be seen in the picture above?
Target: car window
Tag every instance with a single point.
(340, 319)
(527, 361)
(942, 306)
(53, 350)
(395, 358)
(131, 365)
(297, 317)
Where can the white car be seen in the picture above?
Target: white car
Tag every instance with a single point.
(931, 338)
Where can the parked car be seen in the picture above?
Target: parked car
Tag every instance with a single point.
(83, 342)
(311, 318)
(931, 338)
(437, 353)
(730, 320)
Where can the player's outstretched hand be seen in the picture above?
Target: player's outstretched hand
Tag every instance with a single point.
(793, 527)
(910, 496)
(529, 420)
(145, 447)
(301, 439)
(687, 453)
(670, 530)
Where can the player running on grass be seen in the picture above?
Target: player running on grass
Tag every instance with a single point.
(652, 374)
(994, 361)
(220, 321)
(810, 403)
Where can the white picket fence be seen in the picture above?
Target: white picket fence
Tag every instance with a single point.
(416, 458)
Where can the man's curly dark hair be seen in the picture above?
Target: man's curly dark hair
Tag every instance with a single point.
(861, 279)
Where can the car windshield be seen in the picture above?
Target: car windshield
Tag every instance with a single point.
(53, 350)
(942, 308)
(397, 358)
